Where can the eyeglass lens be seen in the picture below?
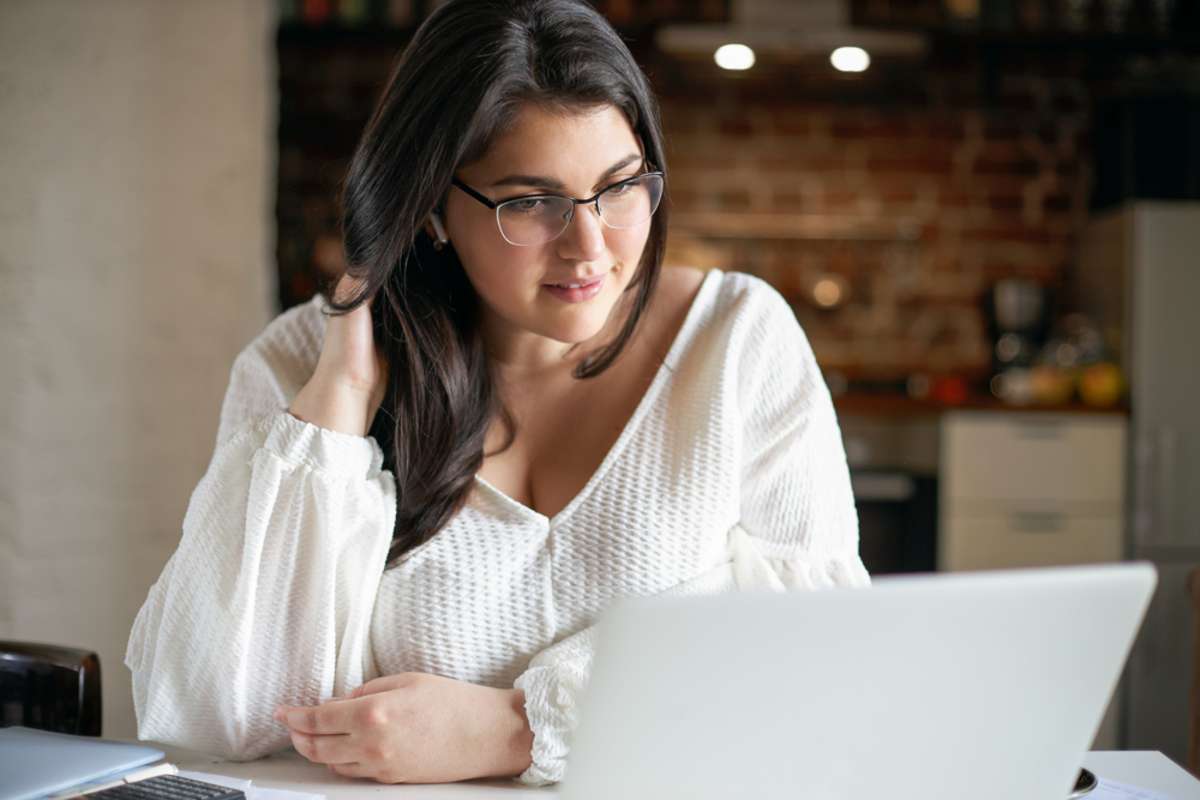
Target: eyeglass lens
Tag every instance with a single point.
(537, 220)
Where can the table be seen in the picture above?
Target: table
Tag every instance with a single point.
(289, 770)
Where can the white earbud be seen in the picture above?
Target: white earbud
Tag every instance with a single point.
(437, 226)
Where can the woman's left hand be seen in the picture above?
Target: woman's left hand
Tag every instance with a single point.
(415, 728)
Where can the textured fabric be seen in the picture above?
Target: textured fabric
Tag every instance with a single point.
(729, 475)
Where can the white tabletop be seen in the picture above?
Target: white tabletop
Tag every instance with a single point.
(288, 770)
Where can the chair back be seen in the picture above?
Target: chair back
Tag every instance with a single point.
(49, 687)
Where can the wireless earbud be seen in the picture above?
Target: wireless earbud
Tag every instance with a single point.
(437, 226)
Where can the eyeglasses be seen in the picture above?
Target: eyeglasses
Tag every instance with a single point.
(537, 219)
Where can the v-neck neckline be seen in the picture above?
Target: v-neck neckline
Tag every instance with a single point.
(643, 406)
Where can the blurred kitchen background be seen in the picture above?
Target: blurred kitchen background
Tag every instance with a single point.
(985, 213)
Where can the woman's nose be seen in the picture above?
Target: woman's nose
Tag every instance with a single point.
(584, 237)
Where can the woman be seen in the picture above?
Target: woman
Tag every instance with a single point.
(419, 505)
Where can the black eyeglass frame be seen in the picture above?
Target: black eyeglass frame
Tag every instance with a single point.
(575, 202)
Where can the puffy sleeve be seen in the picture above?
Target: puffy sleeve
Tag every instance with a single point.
(268, 597)
(797, 506)
(553, 684)
(556, 677)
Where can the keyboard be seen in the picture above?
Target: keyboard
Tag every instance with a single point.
(168, 787)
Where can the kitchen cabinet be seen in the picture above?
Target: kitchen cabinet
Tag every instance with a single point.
(1028, 489)
(1033, 489)
(1024, 538)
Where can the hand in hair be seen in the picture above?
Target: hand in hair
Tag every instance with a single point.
(415, 728)
(350, 379)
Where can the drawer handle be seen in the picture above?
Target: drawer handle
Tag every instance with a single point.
(1040, 430)
(1037, 521)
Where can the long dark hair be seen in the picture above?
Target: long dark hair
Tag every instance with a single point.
(460, 82)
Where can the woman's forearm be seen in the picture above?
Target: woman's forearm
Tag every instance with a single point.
(332, 406)
(517, 741)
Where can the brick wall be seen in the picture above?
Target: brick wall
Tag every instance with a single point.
(911, 211)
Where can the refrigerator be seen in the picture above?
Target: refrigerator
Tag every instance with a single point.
(1138, 275)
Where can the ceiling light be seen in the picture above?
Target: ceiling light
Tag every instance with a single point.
(788, 29)
(850, 59)
(734, 56)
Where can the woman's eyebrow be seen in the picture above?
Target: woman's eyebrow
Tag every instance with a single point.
(546, 182)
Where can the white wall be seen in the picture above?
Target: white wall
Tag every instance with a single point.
(137, 164)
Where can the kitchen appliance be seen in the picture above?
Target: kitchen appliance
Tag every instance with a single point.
(893, 473)
(1137, 276)
(897, 520)
(1017, 311)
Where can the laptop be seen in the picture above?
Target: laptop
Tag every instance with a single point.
(36, 763)
(987, 685)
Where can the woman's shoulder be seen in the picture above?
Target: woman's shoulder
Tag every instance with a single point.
(736, 303)
(273, 367)
(742, 323)
(290, 344)
(745, 297)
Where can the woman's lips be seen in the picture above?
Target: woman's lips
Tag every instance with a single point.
(577, 295)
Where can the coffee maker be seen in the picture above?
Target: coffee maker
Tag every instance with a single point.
(1018, 314)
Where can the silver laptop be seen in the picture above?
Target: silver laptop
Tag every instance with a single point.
(983, 685)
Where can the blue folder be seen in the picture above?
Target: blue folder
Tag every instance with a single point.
(34, 763)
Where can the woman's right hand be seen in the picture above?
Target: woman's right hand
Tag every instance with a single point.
(350, 379)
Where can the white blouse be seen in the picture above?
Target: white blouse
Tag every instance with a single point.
(730, 474)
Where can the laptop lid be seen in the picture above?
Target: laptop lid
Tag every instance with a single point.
(34, 763)
(988, 685)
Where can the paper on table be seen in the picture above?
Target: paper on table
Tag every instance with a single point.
(248, 788)
(1112, 790)
(259, 793)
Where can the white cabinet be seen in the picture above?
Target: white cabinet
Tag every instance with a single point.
(1030, 489)
(1027, 489)
(1026, 538)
